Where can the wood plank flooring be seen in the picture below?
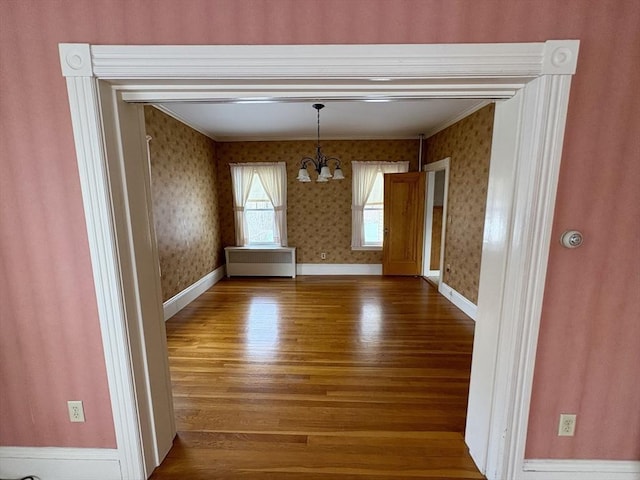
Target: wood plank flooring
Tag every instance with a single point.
(320, 378)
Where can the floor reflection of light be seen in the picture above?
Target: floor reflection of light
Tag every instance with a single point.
(262, 328)
(370, 322)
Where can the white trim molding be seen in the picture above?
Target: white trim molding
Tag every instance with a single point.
(301, 71)
(459, 300)
(530, 83)
(431, 169)
(339, 269)
(57, 463)
(580, 470)
(96, 198)
(189, 294)
(512, 61)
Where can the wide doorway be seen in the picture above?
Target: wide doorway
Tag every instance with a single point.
(534, 81)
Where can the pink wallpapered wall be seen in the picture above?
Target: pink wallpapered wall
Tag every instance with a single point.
(588, 355)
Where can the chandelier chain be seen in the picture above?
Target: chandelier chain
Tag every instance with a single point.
(321, 161)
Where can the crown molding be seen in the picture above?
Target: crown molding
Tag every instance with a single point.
(456, 119)
(181, 119)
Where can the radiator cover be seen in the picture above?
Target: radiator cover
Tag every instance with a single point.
(261, 262)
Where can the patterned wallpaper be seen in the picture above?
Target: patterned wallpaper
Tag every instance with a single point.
(468, 143)
(185, 201)
(193, 202)
(318, 214)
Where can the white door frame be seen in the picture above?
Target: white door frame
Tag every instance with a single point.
(431, 169)
(533, 78)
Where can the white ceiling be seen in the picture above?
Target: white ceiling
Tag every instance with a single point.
(350, 119)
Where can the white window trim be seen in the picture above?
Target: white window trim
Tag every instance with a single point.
(360, 196)
(277, 193)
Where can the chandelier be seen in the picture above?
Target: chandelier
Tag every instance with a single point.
(320, 162)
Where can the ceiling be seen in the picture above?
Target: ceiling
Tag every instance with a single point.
(340, 119)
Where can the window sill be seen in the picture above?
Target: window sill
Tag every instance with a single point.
(373, 249)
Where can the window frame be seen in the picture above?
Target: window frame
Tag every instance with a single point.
(273, 178)
(383, 167)
(368, 206)
(274, 243)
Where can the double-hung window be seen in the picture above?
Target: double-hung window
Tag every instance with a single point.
(260, 203)
(373, 214)
(260, 215)
(367, 207)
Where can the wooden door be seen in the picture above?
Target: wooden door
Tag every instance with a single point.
(404, 195)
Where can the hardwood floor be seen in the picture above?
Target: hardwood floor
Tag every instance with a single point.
(320, 378)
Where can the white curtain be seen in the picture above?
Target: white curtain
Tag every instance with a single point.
(364, 176)
(241, 178)
(274, 181)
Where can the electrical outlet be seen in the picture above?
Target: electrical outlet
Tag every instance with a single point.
(323, 256)
(567, 425)
(76, 410)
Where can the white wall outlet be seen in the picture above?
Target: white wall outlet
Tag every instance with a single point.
(323, 256)
(567, 425)
(76, 410)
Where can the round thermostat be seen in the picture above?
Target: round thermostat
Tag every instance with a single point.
(571, 239)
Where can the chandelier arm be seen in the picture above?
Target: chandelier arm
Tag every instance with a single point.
(306, 160)
(335, 159)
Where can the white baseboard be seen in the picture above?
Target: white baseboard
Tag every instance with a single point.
(463, 303)
(339, 269)
(189, 294)
(55, 463)
(580, 470)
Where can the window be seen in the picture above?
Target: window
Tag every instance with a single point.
(373, 215)
(260, 215)
(260, 203)
(367, 220)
